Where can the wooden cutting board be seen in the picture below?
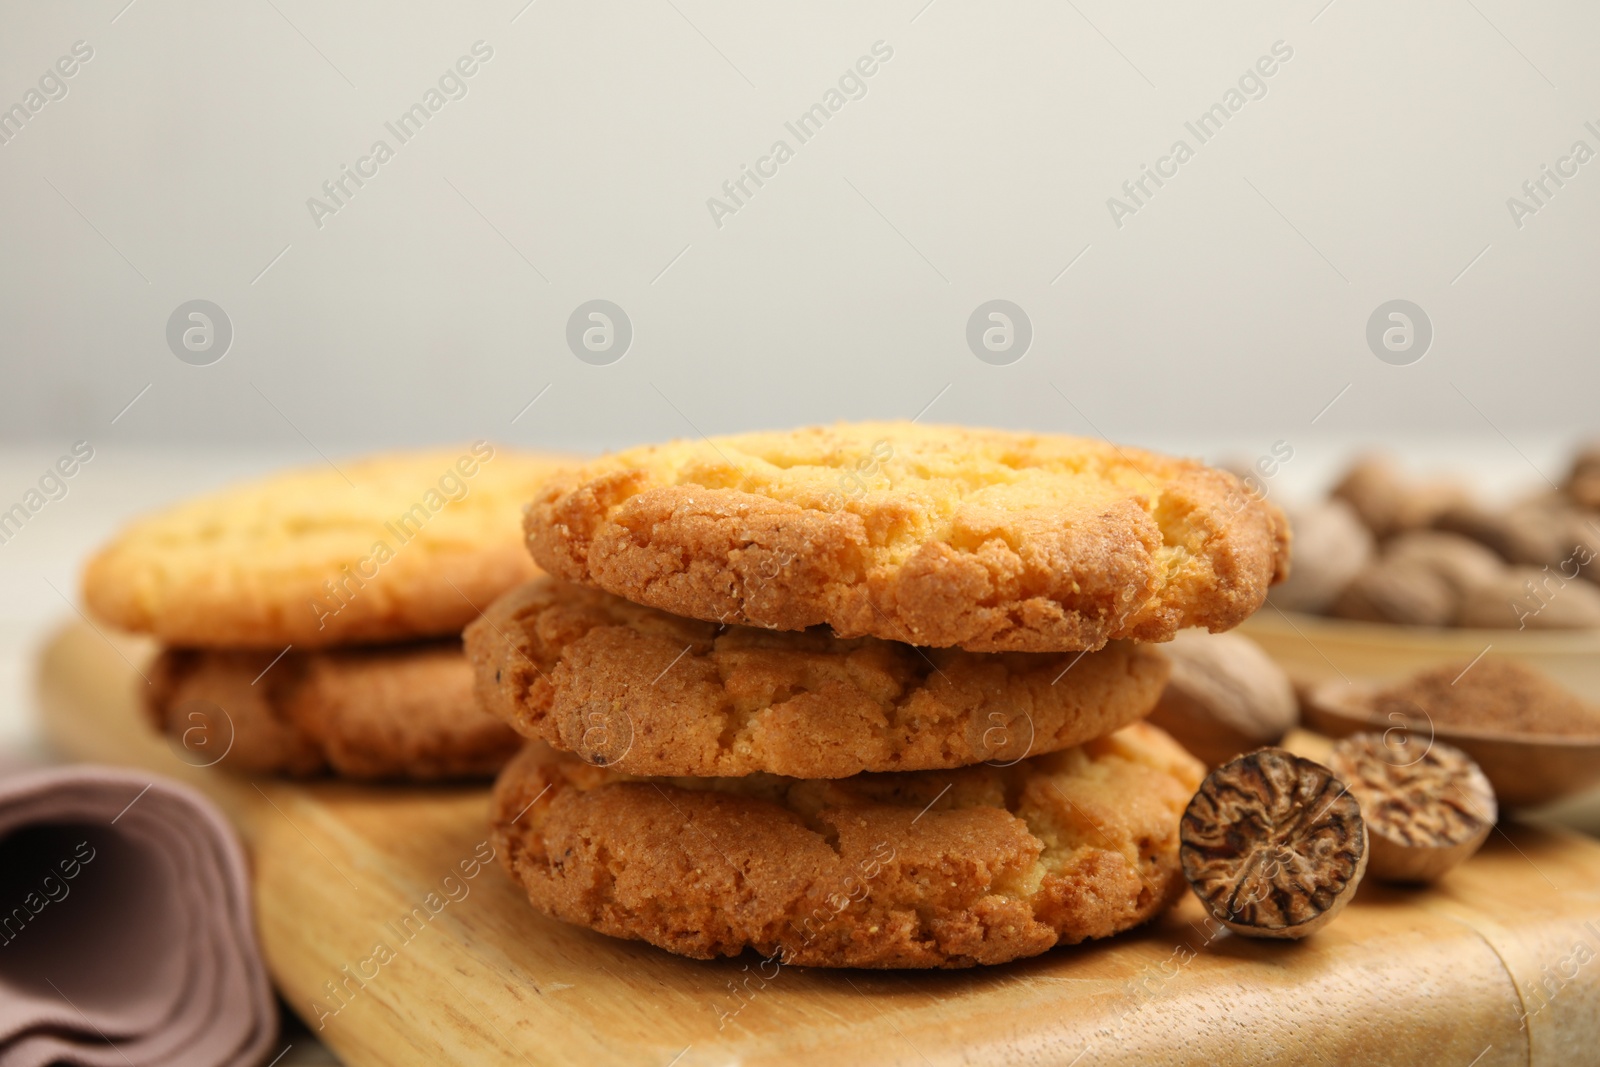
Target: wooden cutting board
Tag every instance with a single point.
(1444, 975)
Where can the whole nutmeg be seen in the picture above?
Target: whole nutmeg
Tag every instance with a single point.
(1460, 561)
(1517, 534)
(1331, 545)
(1525, 598)
(1273, 845)
(1485, 525)
(1401, 591)
(1577, 547)
(1425, 813)
(1583, 482)
(1541, 531)
(1225, 696)
(1583, 533)
(1390, 503)
(1419, 580)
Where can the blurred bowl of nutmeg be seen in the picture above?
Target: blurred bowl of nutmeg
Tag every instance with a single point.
(1394, 573)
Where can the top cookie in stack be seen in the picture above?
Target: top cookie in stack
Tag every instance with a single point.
(886, 677)
(935, 535)
(310, 619)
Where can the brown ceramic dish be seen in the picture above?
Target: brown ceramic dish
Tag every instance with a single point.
(1526, 770)
(1317, 647)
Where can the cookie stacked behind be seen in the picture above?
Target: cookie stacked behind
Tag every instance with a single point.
(860, 696)
(310, 620)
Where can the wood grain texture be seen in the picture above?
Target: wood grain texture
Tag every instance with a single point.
(1442, 975)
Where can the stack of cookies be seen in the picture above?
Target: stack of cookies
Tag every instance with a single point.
(860, 696)
(310, 621)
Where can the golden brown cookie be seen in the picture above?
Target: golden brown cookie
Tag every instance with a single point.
(398, 711)
(933, 535)
(401, 550)
(645, 692)
(922, 869)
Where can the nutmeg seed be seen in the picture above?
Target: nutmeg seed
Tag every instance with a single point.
(1529, 598)
(1273, 845)
(1583, 481)
(1425, 813)
(1400, 591)
(1515, 534)
(1390, 503)
(1463, 563)
(1225, 696)
(1331, 545)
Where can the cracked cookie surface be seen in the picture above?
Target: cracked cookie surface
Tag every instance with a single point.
(389, 548)
(647, 692)
(989, 540)
(926, 869)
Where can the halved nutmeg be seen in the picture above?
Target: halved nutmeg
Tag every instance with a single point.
(1273, 844)
(1425, 813)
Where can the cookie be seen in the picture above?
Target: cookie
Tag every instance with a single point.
(919, 869)
(399, 711)
(401, 550)
(645, 692)
(988, 540)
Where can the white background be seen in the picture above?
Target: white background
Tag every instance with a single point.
(977, 166)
